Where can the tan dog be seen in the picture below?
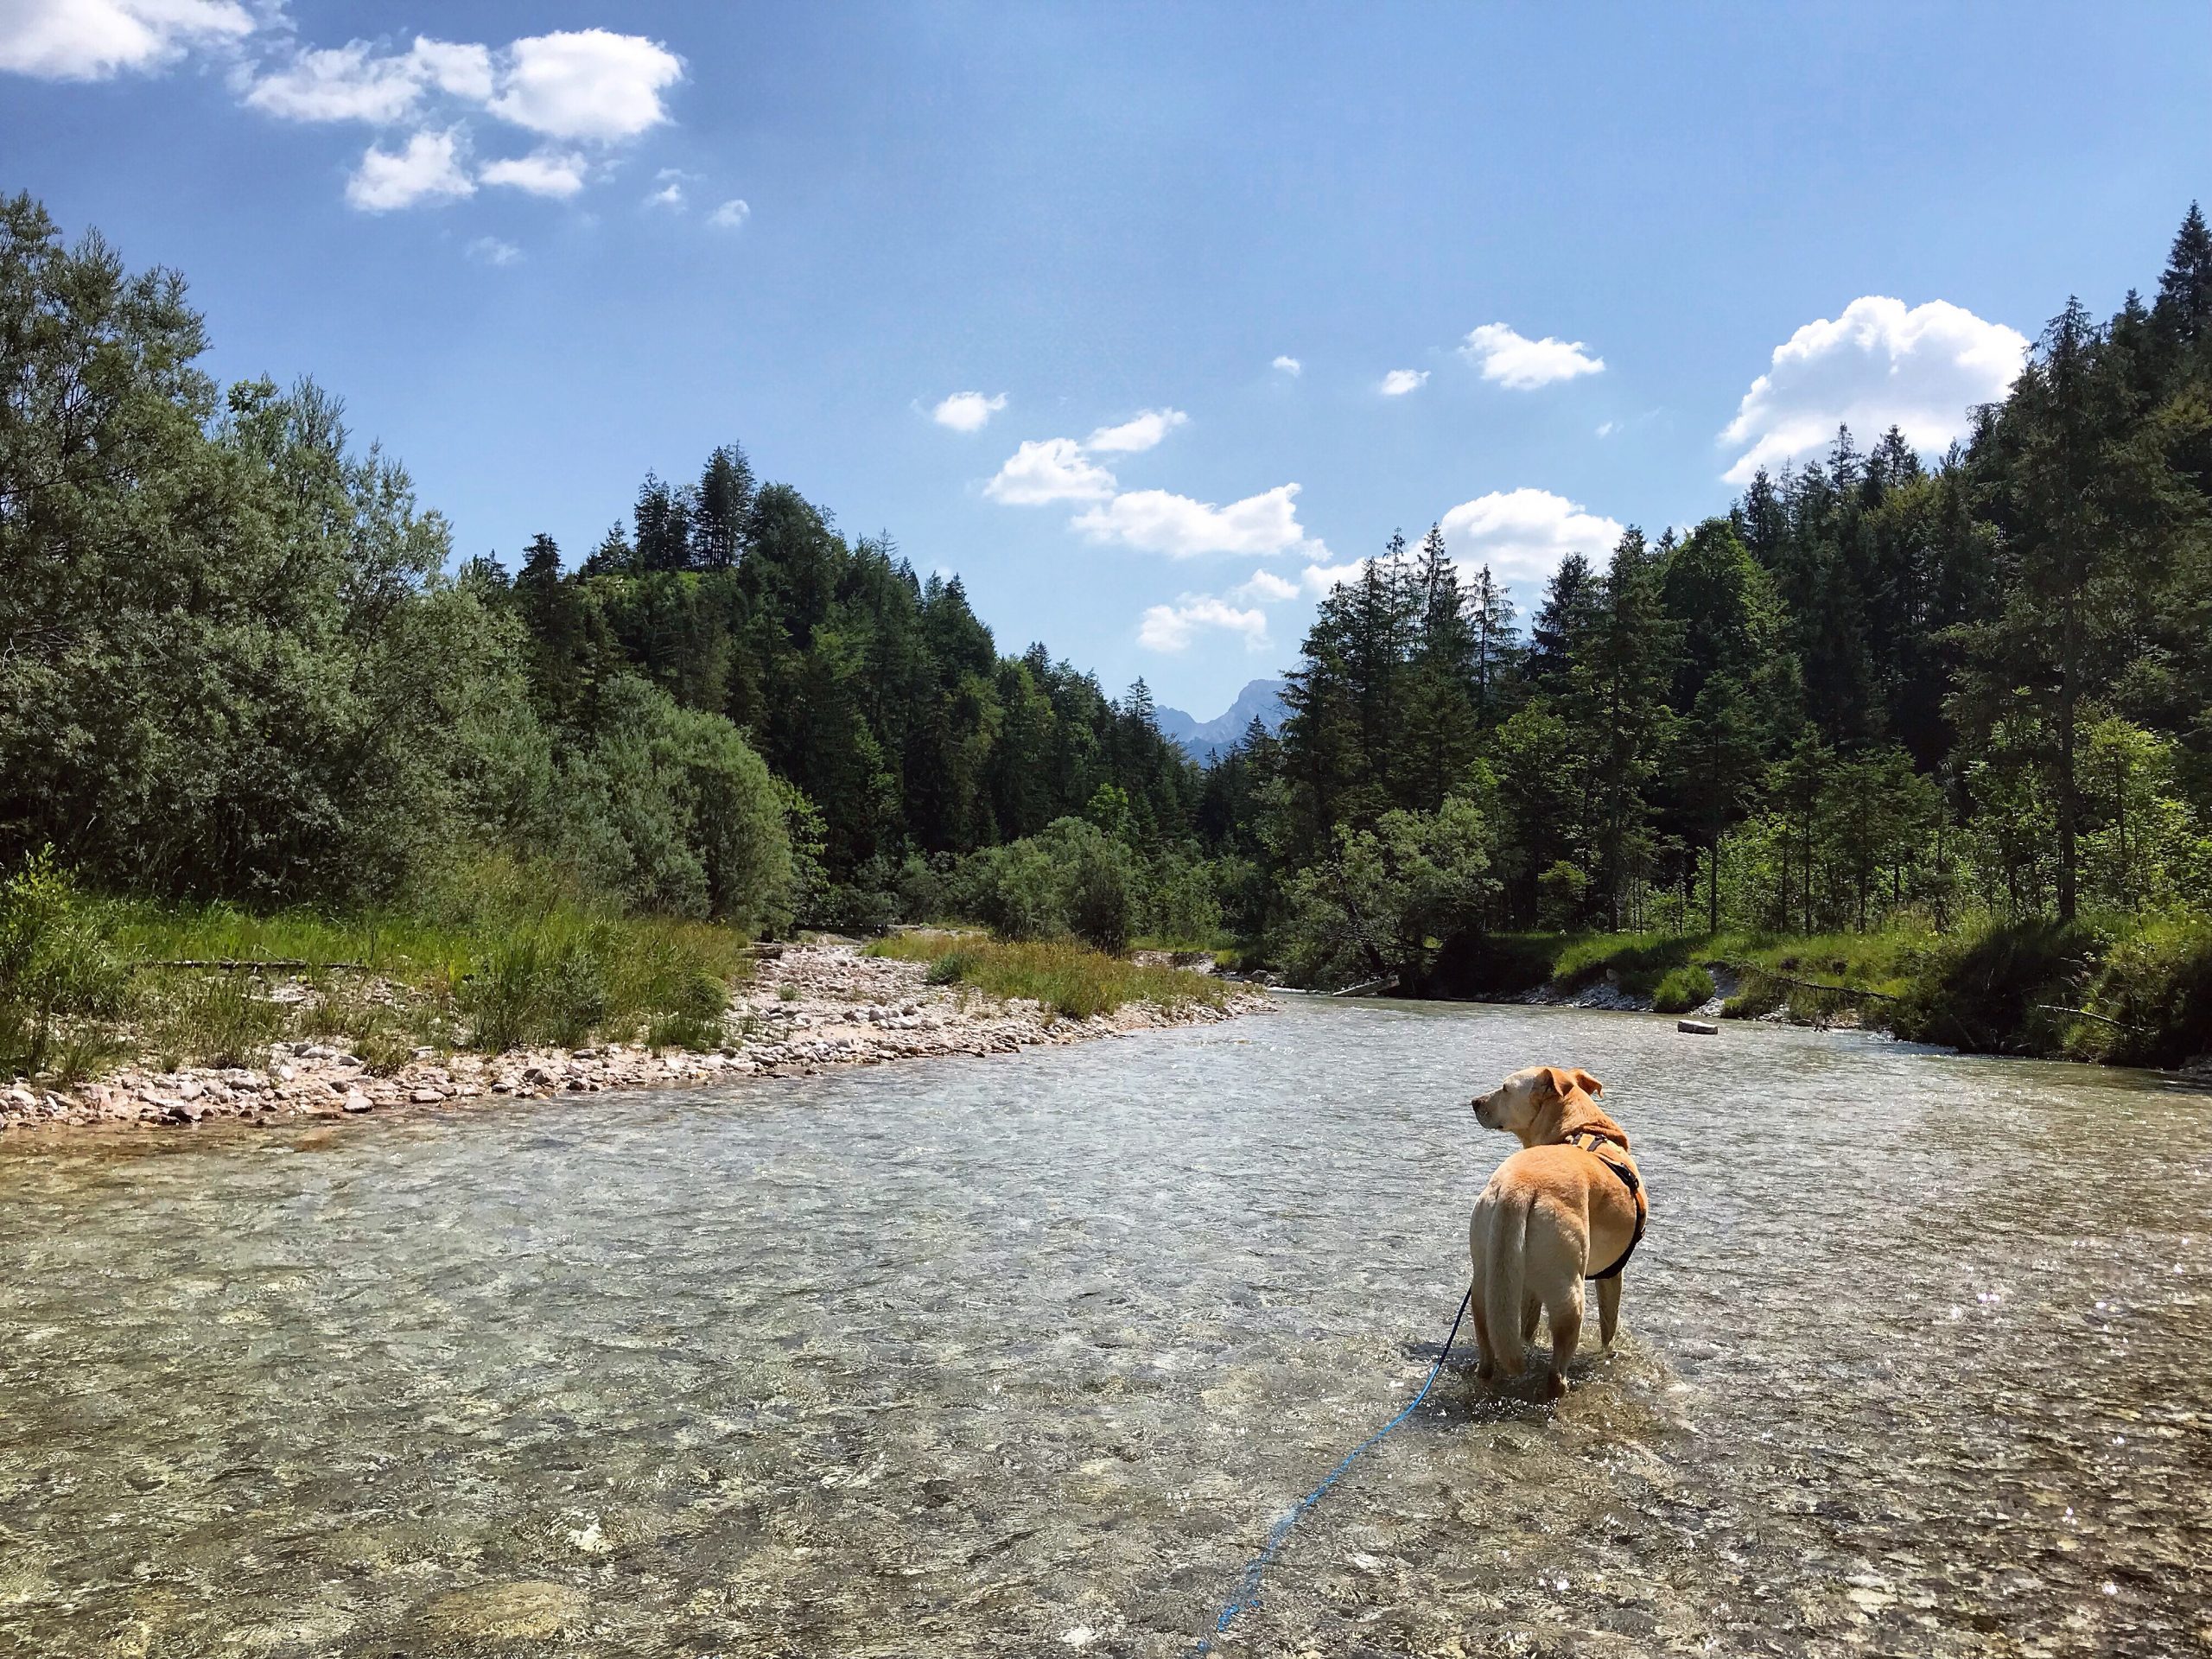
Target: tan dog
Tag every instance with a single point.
(1569, 1206)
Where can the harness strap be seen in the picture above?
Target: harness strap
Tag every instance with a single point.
(1595, 1141)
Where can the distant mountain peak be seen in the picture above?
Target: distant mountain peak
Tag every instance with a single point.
(1202, 740)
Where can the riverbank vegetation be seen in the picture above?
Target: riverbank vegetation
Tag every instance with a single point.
(1063, 976)
(1939, 732)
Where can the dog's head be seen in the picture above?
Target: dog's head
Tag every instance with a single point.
(1524, 1100)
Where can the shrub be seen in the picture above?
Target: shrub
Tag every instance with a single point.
(56, 963)
(1065, 978)
(1986, 991)
(1682, 989)
(1070, 878)
(2157, 986)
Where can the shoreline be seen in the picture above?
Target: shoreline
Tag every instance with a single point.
(808, 1007)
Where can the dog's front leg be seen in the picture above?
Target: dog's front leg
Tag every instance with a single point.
(1609, 1309)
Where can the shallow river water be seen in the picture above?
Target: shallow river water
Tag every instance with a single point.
(1023, 1355)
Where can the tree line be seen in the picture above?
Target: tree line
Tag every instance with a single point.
(238, 660)
(1980, 688)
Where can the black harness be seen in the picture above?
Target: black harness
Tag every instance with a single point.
(1589, 1140)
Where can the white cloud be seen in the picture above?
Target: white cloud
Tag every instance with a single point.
(670, 180)
(967, 412)
(1172, 627)
(1520, 364)
(1157, 521)
(1266, 588)
(1877, 365)
(1398, 381)
(542, 173)
(731, 215)
(1139, 433)
(1317, 579)
(92, 40)
(427, 170)
(1289, 366)
(463, 69)
(588, 84)
(1049, 469)
(1523, 534)
(1606, 428)
(354, 83)
(490, 251)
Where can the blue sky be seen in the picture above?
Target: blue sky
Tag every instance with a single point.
(1572, 240)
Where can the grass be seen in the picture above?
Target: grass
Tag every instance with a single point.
(1072, 980)
(2122, 989)
(504, 955)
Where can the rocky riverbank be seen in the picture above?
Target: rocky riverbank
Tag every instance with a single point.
(806, 1008)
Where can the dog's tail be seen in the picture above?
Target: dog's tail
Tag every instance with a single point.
(1502, 1279)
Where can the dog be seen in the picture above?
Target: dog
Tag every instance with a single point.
(1570, 1205)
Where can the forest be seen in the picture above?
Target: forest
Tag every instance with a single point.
(1940, 730)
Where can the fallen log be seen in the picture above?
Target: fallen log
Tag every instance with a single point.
(255, 964)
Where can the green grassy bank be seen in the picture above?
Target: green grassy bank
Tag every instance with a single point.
(1068, 978)
(2134, 994)
(500, 956)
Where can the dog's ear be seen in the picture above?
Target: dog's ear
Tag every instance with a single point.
(1560, 1083)
(1588, 1084)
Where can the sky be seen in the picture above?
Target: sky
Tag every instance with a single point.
(1148, 321)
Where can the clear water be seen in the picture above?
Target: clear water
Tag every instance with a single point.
(1023, 1355)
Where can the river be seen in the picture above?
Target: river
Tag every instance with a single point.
(1023, 1355)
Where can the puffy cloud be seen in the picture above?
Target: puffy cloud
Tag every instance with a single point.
(1315, 579)
(1520, 364)
(1172, 627)
(669, 191)
(588, 83)
(92, 40)
(490, 251)
(1398, 381)
(1158, 521)
(464, 70)
(1049, 469)
(1877, 365)
(1267, 589)
(429, 169)
(354, 83)
(551, 173)
(1523, 534)
(1289, 366)
(731, 215)
(1140, 432)
(967, 412)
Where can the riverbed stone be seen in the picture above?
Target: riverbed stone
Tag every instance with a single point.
(515, 1610)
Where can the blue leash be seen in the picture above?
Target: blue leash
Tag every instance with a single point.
(1248, 1588)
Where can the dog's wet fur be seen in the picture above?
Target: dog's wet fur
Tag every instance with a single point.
(1552, 1215)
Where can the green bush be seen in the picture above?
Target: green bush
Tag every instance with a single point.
(1071, 878)
(1682, 989)
(2156, 985)
(56, 965)
(1988, 991)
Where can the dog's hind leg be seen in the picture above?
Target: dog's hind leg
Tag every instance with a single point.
(1609, 1309)
(1567, 1331)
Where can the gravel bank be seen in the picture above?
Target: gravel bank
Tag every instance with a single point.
(807, 1007)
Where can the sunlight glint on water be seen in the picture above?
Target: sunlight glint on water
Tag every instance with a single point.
(1024, 1355)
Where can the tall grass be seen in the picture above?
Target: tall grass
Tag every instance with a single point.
(497, 954)
(1072, 980)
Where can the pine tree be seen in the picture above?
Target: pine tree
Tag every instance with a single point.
(1497, 645)
(2183, 309)
(1571, 600)
(722, 503)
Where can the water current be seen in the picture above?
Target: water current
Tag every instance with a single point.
(1023, 1355)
